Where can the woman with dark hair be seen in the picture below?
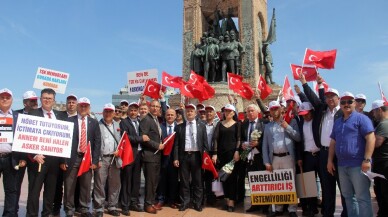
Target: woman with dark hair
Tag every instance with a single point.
(226, 139)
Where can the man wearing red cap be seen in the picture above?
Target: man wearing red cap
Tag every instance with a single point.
(9, 159)
(47, 176)
(353, 142)
(86, 130)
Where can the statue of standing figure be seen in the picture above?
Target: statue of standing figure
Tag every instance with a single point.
(268, 63)
(211, 56)
(238, 50)
(227, 56)
(196, 63)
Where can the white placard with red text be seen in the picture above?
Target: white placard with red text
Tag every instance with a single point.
(6, 133)
(38, 135)
(138, 79)
(48, 78)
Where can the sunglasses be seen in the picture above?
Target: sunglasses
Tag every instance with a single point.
(344, 102)
(360, 101)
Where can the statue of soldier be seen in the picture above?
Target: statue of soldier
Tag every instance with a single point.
(211, 56)
(238, 49)
(196, 63)
(268, 63)
(227, 56)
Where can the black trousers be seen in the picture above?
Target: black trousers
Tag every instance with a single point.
(47, 177)
(19, 181)
(151, 175)
(328, 183)
(167, 191)
(190, 165)
(9, 184)
(130, 184)
(58, 191)
(381, 186)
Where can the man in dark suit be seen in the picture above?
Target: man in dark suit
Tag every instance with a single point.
(189, 145)
(86, 130)
(130, 174)
(49, 164)
(9, 159)
(150, 126)
(254, 160)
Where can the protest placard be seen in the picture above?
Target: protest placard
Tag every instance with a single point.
(48, 78)
(306, 185)
(277, 187)
(6, 134)
(138, 79)
(45, 136)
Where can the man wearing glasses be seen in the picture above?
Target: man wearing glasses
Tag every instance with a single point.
(353, 141)
(124, 104)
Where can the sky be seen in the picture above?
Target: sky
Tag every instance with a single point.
(98, 42)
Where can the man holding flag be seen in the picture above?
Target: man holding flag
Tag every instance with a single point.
(86, 130)
(130, 176)
(109, 165)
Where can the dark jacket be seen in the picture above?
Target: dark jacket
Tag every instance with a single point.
(134, 138)
(149, 127)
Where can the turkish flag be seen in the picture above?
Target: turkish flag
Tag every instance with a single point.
(152, 89)
(241, 116)
(316, 86)
(310, 73)
(208, 91)
(289, 115)
(125, 150)
(287, 91)
(200, 85)
(86, 161)
(190, 90)
(168, 143)
(245, 91)
(265, 89)
(207, 164)
(382, 94)
(234, 82)
(171, 81)
(321, 59)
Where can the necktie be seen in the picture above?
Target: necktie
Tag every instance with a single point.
(251, 128)
(169, 130)
(191, 132)
(49, 115)
(136, 127)
(157, 123)
(82, 146)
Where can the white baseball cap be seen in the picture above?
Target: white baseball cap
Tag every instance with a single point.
(230, 107)
(124, 101)
(360, 96)
(84, 100)
(347, 94)
(210, 107)
(332, 90)
(191, 105)
(109, 106)
(274, 104)
(30, 95)
(378, 103)
(72, 96)
(133, 104)
(304, 108)
(6, 90)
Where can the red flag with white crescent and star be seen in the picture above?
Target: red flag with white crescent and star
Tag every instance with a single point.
(245, 91)
(86, 161)
(168, 143)
(207, 164)
(234, 82)
(152, 89)
(190, 90)
(287, 91)
(171, 81)
(265, 89)
(289, 115)
(125, 150)
(310, 73)
(321, 59)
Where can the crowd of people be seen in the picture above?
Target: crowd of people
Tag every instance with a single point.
(330, 134)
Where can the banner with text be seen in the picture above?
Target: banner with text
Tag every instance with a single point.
(277, 187)
(138, 79)
(48, 78)
(6, 134)
(45, 136)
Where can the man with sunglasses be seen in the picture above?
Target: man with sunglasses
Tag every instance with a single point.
(360, 103)
(327, 111)
(353, 142)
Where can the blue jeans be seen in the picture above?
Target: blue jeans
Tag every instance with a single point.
(355, 188)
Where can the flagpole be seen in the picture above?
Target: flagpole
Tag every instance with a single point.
(145, 86)
(118, 147)
(227, 75)
(165, 142)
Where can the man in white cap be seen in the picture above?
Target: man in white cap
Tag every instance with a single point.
(71, 105)
(189, 145)
(307, 154)
(360, 103)
(327, 110)
(353, 142)
(8, 159)
(380, 155)
(278, 147)
(30, 102)
(47, 176)
(109, 164)
(86, 130)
